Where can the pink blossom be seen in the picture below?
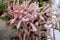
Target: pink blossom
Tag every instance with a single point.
(25, 4)
(33, 6)
(48, 26)
(36, 24)
(42, 18)
(33, 27)
(18, 25)
(12, 21)
(27, 12)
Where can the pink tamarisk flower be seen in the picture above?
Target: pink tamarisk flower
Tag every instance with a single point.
(48, 26)
(33, 27)
(27, 12)
(19, 24)
(33, 7)
(25, 4)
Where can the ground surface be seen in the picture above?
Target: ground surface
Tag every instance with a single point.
(5, 33)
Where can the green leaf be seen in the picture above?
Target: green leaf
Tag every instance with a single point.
(21, 1)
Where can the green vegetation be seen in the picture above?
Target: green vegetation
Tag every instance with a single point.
(2, 6)
(21, 1)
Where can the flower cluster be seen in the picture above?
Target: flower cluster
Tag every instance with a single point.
(28, 15)
(26, 12)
